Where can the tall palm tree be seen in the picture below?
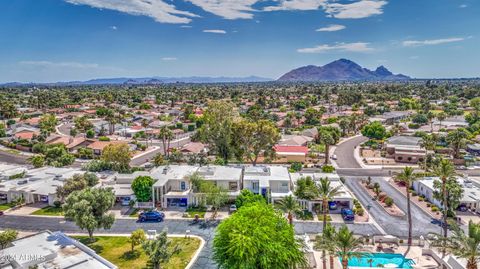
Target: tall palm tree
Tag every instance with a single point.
(165, 135)
(444, 171)
(407, 177)
(346, 245)
(467, 246)
(326, 193)
(325, 243)
(289, 205)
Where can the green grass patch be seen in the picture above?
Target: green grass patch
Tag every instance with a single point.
(49, 211)
(304, 215)
(192, 211)
(117, 250)
(6, 206)
(320, 218)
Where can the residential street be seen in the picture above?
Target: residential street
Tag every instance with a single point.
(397, 226)
(344, 152)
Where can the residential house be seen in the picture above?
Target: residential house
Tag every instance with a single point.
(51, 250)
(343, 199)
(471, 191)
(272, 182)
(287, 154)
(405, 149)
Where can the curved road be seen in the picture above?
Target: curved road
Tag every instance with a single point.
(344, 152)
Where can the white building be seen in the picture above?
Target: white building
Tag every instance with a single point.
(51, 250)
(37, 185)
(471, 191)
(272, 182)
(344, 199)
(172, 187)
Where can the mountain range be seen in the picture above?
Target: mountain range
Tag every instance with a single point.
(340, 70)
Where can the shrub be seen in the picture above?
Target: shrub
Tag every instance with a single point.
(359, 211)
(57, 204)
(435, 209)
(103, 138)
(388, 201)
(328, 168)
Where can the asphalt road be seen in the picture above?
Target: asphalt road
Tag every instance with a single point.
(7, 157)
(344, 153)
(397, 226)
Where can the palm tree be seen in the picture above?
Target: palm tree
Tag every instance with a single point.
(347, 245)
(467, 246)
(326, 193)
(370, 262)
(444, 171)
(289, 205)
(407, 176)
(166, 135)
(324, 242)
(441, 117)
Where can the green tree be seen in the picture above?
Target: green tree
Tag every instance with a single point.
(306, 188)
(160, 250)
(137, 237)
(346, 245)
(289, 205)
(246, 197)
(7, 237)
(445, 171)
(328, 136)
(37, 160)
(407, 177)
(312, 116)
(75, 183)
(118, 155)
(166, 135)
(374, 130)
(441, 117)
(217, 128)
(252, 138)
(82, 124)
(467, 246)
(142, 187)
(47, 123)
(89, 208)
(457, 140)
(267, 242)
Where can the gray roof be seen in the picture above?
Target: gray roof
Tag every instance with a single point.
(404, 140)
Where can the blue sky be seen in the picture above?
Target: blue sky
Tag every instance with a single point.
(63, 40)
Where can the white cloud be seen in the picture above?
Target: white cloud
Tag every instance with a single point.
(297, 5)
(416, 43)
(356, 10)
(414, 57)
(463, 6)
(185, 26)
(215, 31)
(227, 9)
(113, 27)
(156, 9)
(331, 28)
(351, 47)
(60, 64)
(169, 59)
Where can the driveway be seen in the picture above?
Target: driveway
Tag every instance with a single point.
(397, 226)
(344, 152)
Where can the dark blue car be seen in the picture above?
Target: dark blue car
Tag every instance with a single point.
(151, 216)
(347, 214)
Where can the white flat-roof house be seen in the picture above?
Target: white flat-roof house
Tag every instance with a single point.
(51, 250)
(471, 191)
(344, 199)
(37, 185)
(172, 187)
(272, 182)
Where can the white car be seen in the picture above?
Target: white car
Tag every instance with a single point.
(333, 157)
(233, 208)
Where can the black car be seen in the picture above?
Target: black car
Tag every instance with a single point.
(151, 216)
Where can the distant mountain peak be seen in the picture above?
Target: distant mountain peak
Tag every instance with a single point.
(340, 70)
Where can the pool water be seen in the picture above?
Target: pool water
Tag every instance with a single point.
(386, 260)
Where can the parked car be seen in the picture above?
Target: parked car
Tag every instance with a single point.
(233, 208)
(126, 201)
(151, 216)
(334, 157)
(462, 208)
(441, 223)
(332, 205)
(347, 214)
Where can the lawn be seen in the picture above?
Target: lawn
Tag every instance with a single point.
(6, 206)
(49, 211)
(116, 249)
(200, 211)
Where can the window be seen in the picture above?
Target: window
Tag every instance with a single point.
(183, 186)
(233, 186)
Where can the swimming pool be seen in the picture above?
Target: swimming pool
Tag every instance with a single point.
(386, 260)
